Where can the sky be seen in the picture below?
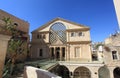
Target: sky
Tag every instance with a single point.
(99, 15)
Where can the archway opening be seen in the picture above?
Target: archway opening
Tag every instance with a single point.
(103, 72)
(62, 71)
(82, 72)
(116, 72)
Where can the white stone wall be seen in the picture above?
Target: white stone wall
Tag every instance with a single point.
(3, 49)
(32, 72)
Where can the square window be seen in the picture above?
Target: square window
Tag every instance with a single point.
(114, 55)
(72, 34)
(80, 34)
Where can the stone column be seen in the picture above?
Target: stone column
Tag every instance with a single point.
(3, 49)
(111, 69)
(65, 53)
(50, 52)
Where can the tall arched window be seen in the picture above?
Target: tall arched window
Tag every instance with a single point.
(57, 32)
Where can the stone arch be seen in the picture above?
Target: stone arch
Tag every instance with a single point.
(82, 72)
(116, 72)
(63, 71)
(57, 33)
(103, 72)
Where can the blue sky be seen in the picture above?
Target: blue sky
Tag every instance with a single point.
(99, 15)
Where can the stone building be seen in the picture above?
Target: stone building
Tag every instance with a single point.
(70, 44)
(62, 40)
(5, 36)
(22, 26)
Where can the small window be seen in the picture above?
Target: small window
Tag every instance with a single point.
(80, 34)
(40, 52)
(72, 34)
(114, 55)
(15, 24)
(38, 36)
(77, 52)
(44, 36)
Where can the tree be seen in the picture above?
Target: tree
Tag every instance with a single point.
(15, 46)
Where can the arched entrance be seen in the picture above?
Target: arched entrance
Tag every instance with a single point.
(103, 72)
(62, 71)
(82, 72)
(116, 72)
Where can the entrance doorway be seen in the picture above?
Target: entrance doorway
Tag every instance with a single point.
(116, 72)
(58, 53)
(103, 72)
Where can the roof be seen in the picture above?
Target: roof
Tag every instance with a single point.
(56, 19)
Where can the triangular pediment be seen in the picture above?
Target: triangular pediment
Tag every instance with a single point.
(69, 25)
(57, 42)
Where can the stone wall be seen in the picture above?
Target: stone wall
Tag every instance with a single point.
(3, 49)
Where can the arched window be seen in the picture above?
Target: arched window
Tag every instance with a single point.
(82, 72)
(57, 32)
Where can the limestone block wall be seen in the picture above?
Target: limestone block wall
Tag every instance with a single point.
(85, 53)
(35, 51)
(3, 49)
(22, 25)
(85, 37)
(32, 72)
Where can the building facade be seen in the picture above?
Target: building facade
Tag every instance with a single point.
(62, 40)
(70, 44)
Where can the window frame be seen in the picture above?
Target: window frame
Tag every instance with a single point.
(73, 34)
(76, 54)
(115, 55)
(40, 52)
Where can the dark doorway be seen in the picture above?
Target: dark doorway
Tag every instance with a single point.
(63, 54)
(116, 72)
(58, 53)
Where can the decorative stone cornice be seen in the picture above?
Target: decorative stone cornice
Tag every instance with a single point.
(82, 29)
(42, 32)
(79, 42)
(4, 37)
(56, 19)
